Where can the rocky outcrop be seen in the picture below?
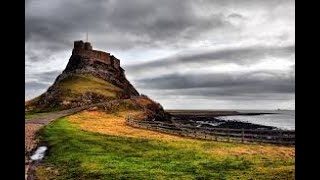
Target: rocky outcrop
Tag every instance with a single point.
(85, 65)
(85, 62)
(92, 77)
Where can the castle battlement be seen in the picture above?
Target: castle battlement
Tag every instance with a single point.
(85, 49)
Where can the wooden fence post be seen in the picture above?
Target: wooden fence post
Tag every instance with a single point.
(228, 135)
(215, 136)
(242, 135)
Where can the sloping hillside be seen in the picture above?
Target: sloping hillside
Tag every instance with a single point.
(91, 77)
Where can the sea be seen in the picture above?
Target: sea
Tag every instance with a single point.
(282, 119)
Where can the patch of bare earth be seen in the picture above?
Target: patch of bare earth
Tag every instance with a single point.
(30, 142)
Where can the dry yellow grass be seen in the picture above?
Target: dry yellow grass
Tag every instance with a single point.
(253, 150)
(88, 83)
(114, 124)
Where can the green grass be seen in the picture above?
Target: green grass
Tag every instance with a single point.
(78, 154)
(80, 84)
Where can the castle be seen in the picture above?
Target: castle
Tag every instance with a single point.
(85, 49)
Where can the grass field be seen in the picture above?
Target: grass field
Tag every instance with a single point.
(96, 145)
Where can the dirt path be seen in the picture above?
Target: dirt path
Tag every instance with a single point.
(34, 124)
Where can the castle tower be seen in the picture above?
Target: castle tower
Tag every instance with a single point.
(82, 45)
(85, 49)
(87, 46)
(78, 45)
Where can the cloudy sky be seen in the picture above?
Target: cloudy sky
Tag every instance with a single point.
(185, 54)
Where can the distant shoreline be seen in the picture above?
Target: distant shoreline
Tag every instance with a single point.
(194, 117)
(216, 113)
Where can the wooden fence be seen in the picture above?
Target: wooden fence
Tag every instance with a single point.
(283, 137)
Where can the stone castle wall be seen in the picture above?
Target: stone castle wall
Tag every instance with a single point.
(116, 62)
(85, 49)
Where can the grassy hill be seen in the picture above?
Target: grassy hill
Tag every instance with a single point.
(75, 90)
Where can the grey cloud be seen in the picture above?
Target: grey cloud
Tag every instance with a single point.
(49, 76)
(136, 22)
(40, 83)
(128, 24)
(45, 77)
(246, 4)
(52, 27)
(36, 55)
(34, 88)
(209, 93)
(223, 84)
(121, 24)
(235, 15)
(247, 55)
(113, 25)
(35, 85)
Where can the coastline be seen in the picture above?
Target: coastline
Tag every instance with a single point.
(208, 118)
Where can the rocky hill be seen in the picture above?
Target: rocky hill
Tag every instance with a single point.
(91, 77)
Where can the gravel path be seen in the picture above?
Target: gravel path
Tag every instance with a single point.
(34, 124)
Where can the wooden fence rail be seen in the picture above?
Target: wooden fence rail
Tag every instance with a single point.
(284, 137)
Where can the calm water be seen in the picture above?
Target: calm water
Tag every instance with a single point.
(39, 154)
(285, 119)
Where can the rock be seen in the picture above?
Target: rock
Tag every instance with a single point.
(93, 109)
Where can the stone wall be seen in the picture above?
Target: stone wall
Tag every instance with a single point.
(116, 62)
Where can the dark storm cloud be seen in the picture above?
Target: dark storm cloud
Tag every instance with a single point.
(163, 20)
(223, 84)
(247, 55)
(129, 23)
(54, 21)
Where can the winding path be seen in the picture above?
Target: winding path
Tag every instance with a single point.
(34, 124)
